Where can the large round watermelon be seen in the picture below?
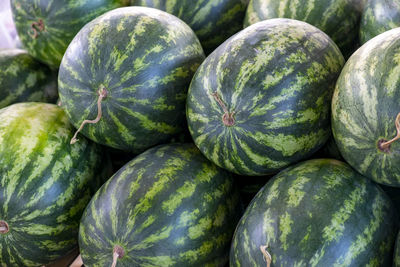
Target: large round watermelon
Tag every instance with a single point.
(167, 207)
(339, 18)
(45, 183)
(365, 106)
(261, 100)
(22, 78)
(379, 16)
(212, 21)
(141, 61)
(47, 27)
(317, 213)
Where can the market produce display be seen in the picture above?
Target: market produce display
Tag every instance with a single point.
(212, 21)
(138, 62)
(22, 78)
(167, 207)
(47, 27)
(339, 18)
(45, 183)
(379, 16)
(261, 100)
(200, 133)
(317, 213)
(365, 108)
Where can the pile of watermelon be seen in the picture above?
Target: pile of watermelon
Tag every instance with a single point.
(201, 133)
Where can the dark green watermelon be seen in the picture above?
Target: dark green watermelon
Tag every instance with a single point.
(46, 28)
(212, 21)
(169, 206)
(22, 79)
(143, 60)
(317, 213)
(379, 16)
(261, 100)
(337, 18)
(365, 106)
(45, 183)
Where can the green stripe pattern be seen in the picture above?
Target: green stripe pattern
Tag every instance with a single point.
(45, 183)
(317, 213)
(364, 108)
(144, 58)
(62, 19)
(379, 16)
(337, 18)
(167, 207)
(212, 21)
(23, 79)
(276, 79)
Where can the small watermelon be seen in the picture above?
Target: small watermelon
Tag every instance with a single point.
(45, 183)
(169, 206)
(130, 69)
(22, 79)
(261, 101)
(47, 27)
(317, 213)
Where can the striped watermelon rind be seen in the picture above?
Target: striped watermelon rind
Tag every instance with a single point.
(167, 207)
(261, 101)
(144, 59)
(212, 21)
(317, 213)
(45, 183)
(23, 79)
(339, 19)
(365, 106)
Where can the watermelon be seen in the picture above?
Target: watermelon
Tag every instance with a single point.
(22, 78)
(47, 27)
(379, 16)
(396, 256)
(139, 62)
(261, 100)
(167, 207)
(317, 213)
(45, 183)
(339, 19)
(212, 21)
(365, 107)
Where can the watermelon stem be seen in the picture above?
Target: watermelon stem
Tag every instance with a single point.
(385, 146)
(4, 227)
(267, 256)
(36, 26)
(227, 118)
(118, 253)
(102, 94)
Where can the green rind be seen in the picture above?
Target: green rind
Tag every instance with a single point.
(23, 79)
(45, 183)
(212, 21)
(277, 78)
(378, 17)
(317, 213)
(145, 59)
(62, 21)
(167, 207)
(364, 108)
(337, 18)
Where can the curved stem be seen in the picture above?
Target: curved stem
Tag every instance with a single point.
(118, 252)
(385, 145)
(4, 228)
(267, 256)
(37, 26)
(102, 94)
(115, 258)
(227, 118)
